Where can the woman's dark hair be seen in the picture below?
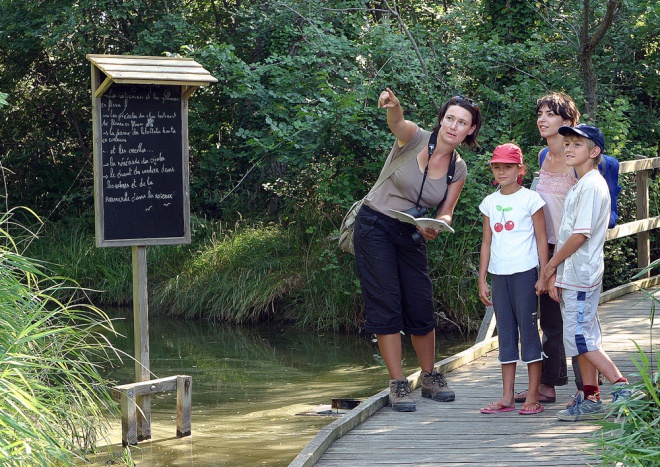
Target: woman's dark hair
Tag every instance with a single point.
(561, 104)
(469, 105)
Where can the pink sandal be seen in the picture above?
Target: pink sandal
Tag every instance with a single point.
(496, 407)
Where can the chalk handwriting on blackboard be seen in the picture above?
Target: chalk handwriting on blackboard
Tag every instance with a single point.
(141, 145)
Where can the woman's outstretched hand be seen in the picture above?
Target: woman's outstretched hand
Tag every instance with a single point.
(387, 99)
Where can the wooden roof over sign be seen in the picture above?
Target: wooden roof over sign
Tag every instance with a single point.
(132, 69)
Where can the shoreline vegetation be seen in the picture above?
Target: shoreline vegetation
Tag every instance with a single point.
(252, 272)
(54, 403)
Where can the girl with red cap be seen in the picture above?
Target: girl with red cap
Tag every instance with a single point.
(514, 245)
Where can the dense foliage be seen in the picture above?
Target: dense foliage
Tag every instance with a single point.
(290, 135)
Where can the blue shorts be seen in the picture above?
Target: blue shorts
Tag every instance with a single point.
(516, 310)
(394, 275)
(582, 332)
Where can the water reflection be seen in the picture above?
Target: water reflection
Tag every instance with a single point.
(248, 385)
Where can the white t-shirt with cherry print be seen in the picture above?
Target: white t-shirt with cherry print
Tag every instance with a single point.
(513, 246)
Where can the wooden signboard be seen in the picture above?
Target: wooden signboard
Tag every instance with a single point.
(143, 183)
(141, 198)
(140, 123)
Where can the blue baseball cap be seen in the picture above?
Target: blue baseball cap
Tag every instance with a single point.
(587, 131)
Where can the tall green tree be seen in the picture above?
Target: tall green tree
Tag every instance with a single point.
(46, 132)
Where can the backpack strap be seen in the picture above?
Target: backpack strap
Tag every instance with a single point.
(544, 152)
(450, 178)
(396, 164)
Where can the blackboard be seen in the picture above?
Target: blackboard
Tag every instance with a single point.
(142, 188)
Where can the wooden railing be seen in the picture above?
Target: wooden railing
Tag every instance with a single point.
(643, 224)
(641, 227)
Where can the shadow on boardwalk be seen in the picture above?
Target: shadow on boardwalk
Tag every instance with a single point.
(456, 433)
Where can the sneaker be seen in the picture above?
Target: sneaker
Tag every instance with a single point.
(623, 391)
(434, 386)
(401, 399)
(583, 409)
(572, 401)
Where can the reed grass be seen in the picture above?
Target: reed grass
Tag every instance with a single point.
(53, 399)
(244, 277)
(633, 438)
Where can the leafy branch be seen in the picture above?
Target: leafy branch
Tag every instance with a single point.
(403, 27)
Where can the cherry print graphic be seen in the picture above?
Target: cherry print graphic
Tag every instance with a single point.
(508, 225)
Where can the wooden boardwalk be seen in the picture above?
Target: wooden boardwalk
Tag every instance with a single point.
(456, 433)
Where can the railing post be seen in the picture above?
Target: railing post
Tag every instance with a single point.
(183, 406)
(643, 238)
(129, 431)
(141, 338)
(487, 328)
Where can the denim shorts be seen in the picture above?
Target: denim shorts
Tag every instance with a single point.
(516, 310)
(394, 275)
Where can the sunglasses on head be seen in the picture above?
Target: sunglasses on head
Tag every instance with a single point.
(469, 102)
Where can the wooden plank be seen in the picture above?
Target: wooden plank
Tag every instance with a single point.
(643, 238)
(169, 77)
(324, 439)
(456, 433)
(136, 59)
(631, 228)
(488, 325)
(639, 164)
(97, 153)
(185, 167)
(628, 288)
(148, 65)
(131, 392)
(150, 387)
(192, 68)
(187, 92)
(103, 87)
(152, 70)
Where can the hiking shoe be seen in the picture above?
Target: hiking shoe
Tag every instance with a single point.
(624, 391)
(583, 409)
(434, 386)
(400, 398)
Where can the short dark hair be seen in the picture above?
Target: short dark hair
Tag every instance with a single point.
(562, 104)
(469, 105)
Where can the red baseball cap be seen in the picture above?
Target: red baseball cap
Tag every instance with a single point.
(507, 153)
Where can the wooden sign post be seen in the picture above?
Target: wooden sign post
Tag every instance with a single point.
(141, 195)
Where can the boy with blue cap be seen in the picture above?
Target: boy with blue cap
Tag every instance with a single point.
(575, 272)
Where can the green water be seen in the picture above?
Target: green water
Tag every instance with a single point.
(250, 387)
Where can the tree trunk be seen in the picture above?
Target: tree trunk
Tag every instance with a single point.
(587, 46)
(590, 83)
